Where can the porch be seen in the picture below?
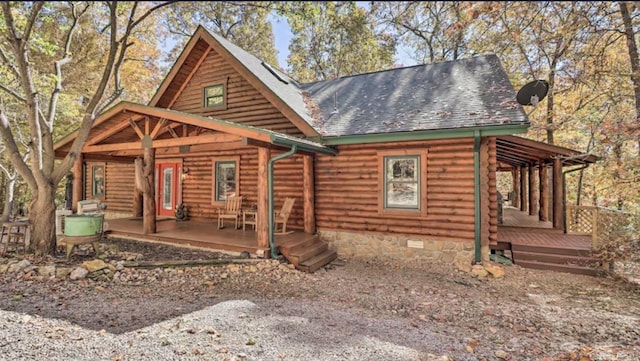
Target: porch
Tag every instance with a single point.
(532, 243)
(306, 251)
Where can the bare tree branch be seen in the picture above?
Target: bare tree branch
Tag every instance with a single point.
(13, 93)
(75, 15)
(13, 152)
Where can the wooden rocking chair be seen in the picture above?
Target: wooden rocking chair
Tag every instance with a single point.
(232, 210)
(282, 216)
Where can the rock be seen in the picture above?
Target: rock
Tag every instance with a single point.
(95, 265)
(18, 266)
(78, 273)
(479, 271)
(4, 268)
(47, 271)
(62, 272)
(495, 269)
(501, 354)
(463, 266)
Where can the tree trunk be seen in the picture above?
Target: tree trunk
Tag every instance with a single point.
(42, 215)
(9, 199)
(634, 57)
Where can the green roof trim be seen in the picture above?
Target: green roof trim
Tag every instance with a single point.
(486, 131)
(302, 144)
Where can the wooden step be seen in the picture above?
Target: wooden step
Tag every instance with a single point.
(307, 253)
(319, 261)
(297, 244)
(589, 271)
(561, 259)
(303, 254)
(550, 250)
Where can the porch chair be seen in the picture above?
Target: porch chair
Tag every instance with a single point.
(232, 210)
(282, 216)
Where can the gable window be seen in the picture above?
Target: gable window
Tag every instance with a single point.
(97, 181)
(225, 178)
(214, 96)
(402, 181)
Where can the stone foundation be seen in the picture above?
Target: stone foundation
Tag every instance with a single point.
(350, 244)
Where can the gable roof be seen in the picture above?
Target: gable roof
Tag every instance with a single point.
(450, 95)
(123, 111)
(282, 91)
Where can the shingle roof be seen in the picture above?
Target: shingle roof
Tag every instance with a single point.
(450, 95)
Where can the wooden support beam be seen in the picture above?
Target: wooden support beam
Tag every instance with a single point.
(138, 188)
(157, 128)
(309, 194)
(262, 219)
(162, 143)
(146, 125)
(558, 195)
(516, 187)
(543, 174)
(523, 189)
(532, 190)
(172, 132)
(78, 183)
(136, 128)
(109, 132)
(149, 193)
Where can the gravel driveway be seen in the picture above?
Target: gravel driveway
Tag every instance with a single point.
(353, 310)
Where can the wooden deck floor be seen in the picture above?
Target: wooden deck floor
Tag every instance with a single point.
(521, 228)
(193, 234)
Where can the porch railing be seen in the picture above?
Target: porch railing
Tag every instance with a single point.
(598, 222)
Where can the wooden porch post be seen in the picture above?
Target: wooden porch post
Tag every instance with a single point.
(309, 195)
(558, 191)
(78, 183)
(523, 189)
(149, 194)
(138, 188)
(516, 188)
(532, 190)
(543, 175)
(262, 225)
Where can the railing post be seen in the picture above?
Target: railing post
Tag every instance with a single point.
(594, 228)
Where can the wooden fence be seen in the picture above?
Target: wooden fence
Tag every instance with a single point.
(600, 223)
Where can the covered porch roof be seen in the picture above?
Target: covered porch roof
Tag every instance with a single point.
(514, 152)
(127, 128)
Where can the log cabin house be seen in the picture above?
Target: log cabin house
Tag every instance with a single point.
(397, 163)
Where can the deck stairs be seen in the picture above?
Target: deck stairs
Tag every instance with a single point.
(307, 252)
(577, 261)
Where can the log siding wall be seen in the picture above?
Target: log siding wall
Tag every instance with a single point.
(348, 188)
(198, 185)
(244, 103)
(119, 185)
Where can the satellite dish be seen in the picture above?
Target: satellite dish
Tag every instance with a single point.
(533, 92)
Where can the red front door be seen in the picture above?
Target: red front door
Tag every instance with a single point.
(167, 188)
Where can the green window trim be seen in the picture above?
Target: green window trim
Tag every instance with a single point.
(214, 96)
(402, 182)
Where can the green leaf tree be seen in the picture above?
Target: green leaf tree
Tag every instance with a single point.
(333, 39)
